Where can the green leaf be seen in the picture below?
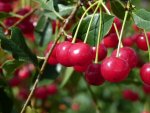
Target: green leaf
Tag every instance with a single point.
(17, 46)
(142, 19)
(93, 33)
(4, 15)
(65, 10)
(10, 66)
(43, 31)
(118, 8)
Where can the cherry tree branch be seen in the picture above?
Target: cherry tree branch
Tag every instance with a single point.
(66, 21)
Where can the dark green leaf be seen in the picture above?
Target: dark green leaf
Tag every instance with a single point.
(6, 103)
(93, 33)
(142, 19)
(10, 66)
(4, 15)
(17, 46)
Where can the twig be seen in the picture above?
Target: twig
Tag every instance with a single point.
(47, 56)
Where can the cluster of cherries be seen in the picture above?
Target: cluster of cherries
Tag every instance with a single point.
(6, 5)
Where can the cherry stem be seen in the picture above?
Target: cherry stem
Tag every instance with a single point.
(47, 56)
(75, 36)
(114, 24)
(121, 33)
(99, 36)
(84, 9)
(87, 33)
(147, 41)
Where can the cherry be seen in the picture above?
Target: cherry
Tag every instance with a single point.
(102, 52)
(134, 37)
(110, 41)
(128, 42)
(114, 69)
(10, 21)
(93, 75)
(15, 81)
(75, 107)
(26, 27)
(80, 54)
(6, 1)
(118, 24)
(145, 73)
(146, 89)
(41, 92)
(24, 73)
(62, 53)
(130, 95)
(141, 42)
(52, 59)
(128, 54)
(24, 11)
(23, 94)
(52, 89)
(135, 28)
(80, 68)
(5, 7)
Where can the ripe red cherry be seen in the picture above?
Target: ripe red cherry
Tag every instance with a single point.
(52, 59)
(10, 21)
(128, 42)
(135, 28)
(5, 7)
(52, 89)
(145, 73)
(146, 89)
(93, 75)
(80, 54)
(24, 73)
(15, 81)
(102, 52)
(129, 55)
(80, 68)
(23, 94)
(141, 42)
(110, 41)
(114, 69)
(6, 1)
(130, 95)
(41, 92)
(118, 24)
(62, 53)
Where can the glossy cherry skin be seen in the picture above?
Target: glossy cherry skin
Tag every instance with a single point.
(62, 53)
(10, 21)
(130, 95)
(5, 7)
(80, 54)
(114, 69)
(146, 89)
(110, 41)
(145, 73)
(102, 52)
(41, 92)
(128, 54)
(52, 59)
(80, 68)
(15, 81)
(141, 42)
(24, 73)
(52, 89)
(118, 24)
(128, 42)
(93, 75)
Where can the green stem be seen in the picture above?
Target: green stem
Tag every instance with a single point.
(84, 10)
(147, 41)
(121, 33)
(87, 33)
(74, 38)
(58, 15)
(99, 36)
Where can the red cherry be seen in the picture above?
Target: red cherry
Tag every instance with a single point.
(146, 89)
(118, 24)
(102, 52)
(5, 7)
(24, 73)
(52, 89)
(62, 53)
(141, 42)
(130, 95)
(52, 59)
(26, 27)
(134, 37)
(110, 41)
(129, 55)
(10, 21)
(80, 68)
(128, 42)
(145, 73)
(15, 81)
(93, 75)
(135, 28)
(80, 54)
(23, 94)
(114, 69)
(41, 92)
(24, 11)
(75, 107)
